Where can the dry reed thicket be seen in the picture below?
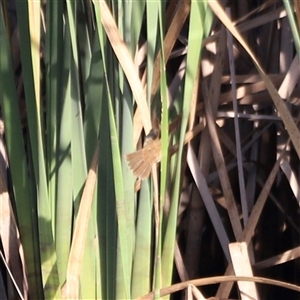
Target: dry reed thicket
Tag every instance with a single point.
(246, 157)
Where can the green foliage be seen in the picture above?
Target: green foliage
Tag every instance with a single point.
(89, 97)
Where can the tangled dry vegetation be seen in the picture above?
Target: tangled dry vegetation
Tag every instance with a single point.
(247, 155)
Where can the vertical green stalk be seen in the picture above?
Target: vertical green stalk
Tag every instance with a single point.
(196, 32)
(125, 105)
(124, 256)
(141, 279)
(32, 96)
(152, 10)
(64, 195)
(54, 68)
(164, 157)
(293, 23)
(91, 127)
(18, 166)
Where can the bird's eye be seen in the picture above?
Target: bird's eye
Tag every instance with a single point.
(153, 134)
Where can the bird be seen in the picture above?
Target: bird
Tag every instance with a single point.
(141, 161)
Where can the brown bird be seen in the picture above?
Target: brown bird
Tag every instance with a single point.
(141, 161)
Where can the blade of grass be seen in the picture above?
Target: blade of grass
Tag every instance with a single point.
(164, 161)
(126, 103)
(141, 272)
(25, 205)
(79, 171)
(152, 40)
(31, 85)
(125, 60)
(54, 68)
(93, 107)
(136, 22)
(196, 32)
(124, 260)
(122, 214)
(92, 115)
(71, 287)
(178, 21)
(63, 195)
(106, 210)
(293, 24)
(84, 21)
